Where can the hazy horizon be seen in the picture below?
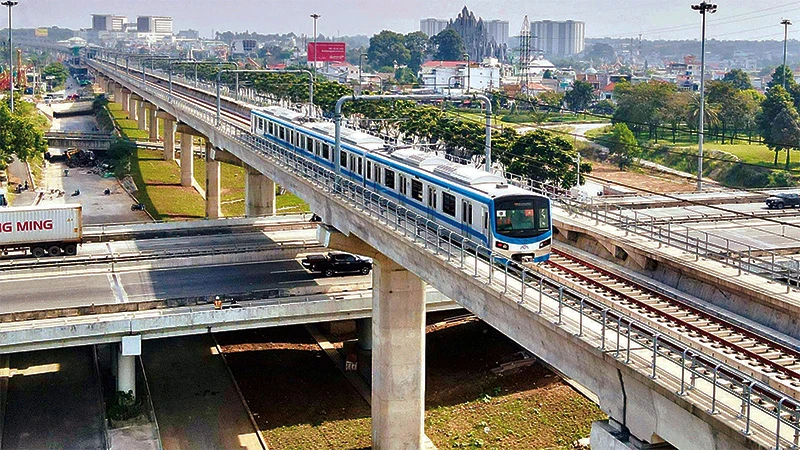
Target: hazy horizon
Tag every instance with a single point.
(653, 19)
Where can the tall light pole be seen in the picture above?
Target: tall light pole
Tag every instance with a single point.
(315, 16)
(703, 8)
(785, 23)
(466, 55)
(10, 5)
(360, 62)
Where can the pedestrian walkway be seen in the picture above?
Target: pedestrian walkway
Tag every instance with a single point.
(18, 174)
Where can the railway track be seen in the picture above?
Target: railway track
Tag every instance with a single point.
(773, 362)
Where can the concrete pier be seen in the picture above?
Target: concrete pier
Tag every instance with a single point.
(213, 209)
(259, 194)
(398, 357)
(126, 373)
(187, 160)
(169, 140)
(153, 125)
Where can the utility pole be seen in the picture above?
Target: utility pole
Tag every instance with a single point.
(315, 16)
(711, 9)
(10, 5)
(785, 23)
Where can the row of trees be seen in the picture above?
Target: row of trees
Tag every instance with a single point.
(21, 133)
(388, 49)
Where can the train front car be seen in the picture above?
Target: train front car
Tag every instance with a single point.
(522, 227)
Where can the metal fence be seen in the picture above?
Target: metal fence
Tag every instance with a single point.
(761, 412)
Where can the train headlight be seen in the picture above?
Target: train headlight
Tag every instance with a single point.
(501, 245)
(544, 243)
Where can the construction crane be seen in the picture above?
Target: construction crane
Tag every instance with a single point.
(22, 79)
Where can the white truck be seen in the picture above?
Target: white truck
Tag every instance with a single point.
(42, 231)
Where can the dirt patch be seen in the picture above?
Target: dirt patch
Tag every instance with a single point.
(643, 179)
(302, 401)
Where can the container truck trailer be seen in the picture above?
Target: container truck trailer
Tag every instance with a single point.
(41, 231)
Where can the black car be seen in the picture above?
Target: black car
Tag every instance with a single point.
(780, 201)
(337, 262)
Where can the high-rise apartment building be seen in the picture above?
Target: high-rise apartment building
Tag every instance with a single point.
(432, 27)
(558, 38)
(497, 30)
(108, 22)
(154, 24)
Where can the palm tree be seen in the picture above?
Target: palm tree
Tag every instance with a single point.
(711, 113)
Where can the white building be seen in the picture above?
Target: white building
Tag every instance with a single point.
(108, 22)
(154, 24)
(558, 38)
(443, 75)
(432, 27)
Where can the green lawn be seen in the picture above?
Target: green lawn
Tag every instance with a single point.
(160, 190)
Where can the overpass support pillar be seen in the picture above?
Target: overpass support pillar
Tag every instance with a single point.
(187, 160)
(153, 123)
(398, 357)
(130, 347)
(259, 194)
(364, 351)
(141, 115)
(213, 210)
(169, 139)
(125, 99)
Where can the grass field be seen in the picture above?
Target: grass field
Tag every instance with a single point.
(160, 190)
(128, 127)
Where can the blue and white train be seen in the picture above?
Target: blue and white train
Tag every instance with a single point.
(479, 205)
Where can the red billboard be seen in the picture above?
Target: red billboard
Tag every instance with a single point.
(327, 52)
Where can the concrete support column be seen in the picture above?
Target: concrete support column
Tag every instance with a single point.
(141, 115)
(259, 194)
(213, 208)
(169, 140)
(125, 99)
(126, 373)
(364, 350)
(398, 357)
(153, 123)
(187, 160)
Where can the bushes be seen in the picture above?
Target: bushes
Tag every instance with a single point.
(124, 406)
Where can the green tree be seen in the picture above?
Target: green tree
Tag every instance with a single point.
(785, 132)
(738, 79)
(417, 45)
(548, 74)
(20, 135)
(642, 106)
(543, 156)
(554, 100)
(386, 48)
(448, 45)
(601, 52)
(604, 107)
(782, 72)
(404, 75)
(580, 96)
(58, 72)
(778, 135)
(622, 145)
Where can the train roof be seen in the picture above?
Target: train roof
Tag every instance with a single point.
(283, 113)
(349, 135)
(491, 184)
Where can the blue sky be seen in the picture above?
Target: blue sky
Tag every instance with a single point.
(665, 19)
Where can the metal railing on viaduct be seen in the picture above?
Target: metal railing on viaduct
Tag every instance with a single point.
(657, 387)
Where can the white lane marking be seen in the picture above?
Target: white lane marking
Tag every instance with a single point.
(289, 271)
(116, 287)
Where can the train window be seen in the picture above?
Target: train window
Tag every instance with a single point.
(469, 214)
(403, 185)
(449, 204)
(416, 190)
(388, 180)
(432, 197)
(309, 144)
(343, 158)
(369, 170)
(282, 133)
(485, 220)
(326, 151)
(359, 166)
(377, 173)
(271, 131)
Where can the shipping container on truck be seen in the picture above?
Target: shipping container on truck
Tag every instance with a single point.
(41, 231)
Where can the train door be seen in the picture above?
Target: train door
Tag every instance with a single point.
(466, 218)
(432, 202)
(485, 223)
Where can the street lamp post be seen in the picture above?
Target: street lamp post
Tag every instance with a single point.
(703, 8)
(466, 55)
(315, 16)
(360, 63)
(10, 5)
(785, 23)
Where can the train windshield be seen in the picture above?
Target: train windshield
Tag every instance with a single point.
(522, 217)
